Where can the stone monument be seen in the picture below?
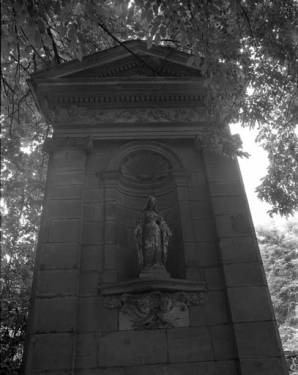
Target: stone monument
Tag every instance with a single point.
(147, 261)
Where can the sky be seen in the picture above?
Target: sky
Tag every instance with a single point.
(253, 169)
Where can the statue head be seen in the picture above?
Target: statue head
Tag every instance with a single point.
(151, 204)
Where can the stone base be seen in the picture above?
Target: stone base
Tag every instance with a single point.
(155, 273)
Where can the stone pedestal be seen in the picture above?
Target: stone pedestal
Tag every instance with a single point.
(120, 135)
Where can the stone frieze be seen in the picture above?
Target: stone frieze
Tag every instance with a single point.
(52, 144)
(81, 115)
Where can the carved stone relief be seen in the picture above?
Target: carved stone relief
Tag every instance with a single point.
(154, 310)
(79, 115)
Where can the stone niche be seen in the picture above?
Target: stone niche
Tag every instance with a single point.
(125, 128)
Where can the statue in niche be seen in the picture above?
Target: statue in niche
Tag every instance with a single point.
(152, 239)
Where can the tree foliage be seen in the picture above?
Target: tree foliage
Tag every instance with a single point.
(279, 250)
(246, 52)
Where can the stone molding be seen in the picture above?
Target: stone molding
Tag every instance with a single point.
(75, 115)
(52, 144)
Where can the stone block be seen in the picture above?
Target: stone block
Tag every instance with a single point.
(67, 177)
(54, 283)
(200, 254)
(244, 274)
(88, 284)
(68, 159)
(110, 257)
(110, 232)
(99, 209)
(223, 175)
(264, 366)
(182, 194)
(250, 304)
(88, 211)
(198, 193)
(136, 203)
(228, 189)
(204, 230)
(230, 205)
(55, 314)
(92, 232)
(189, 344)
(66, 192)
(198, 179)
(128, 348)
(257, 339)
(195, 274)
(192, 368)
(94, 195)
(214, 277)
(50, 352)
(86, 351)
(187, 230)
(59, 256)
(94, 317)
(92, 258)
(215, 160)
(239, 250)
(184, 209)
(200, 210)
(164, 201)
(115, 195)
(108, 371)
(65, 231)
(223, 342)
(64, 209)
(110, 210)
(234, 226)
(110, 276)
(213, 312)
(92, 181)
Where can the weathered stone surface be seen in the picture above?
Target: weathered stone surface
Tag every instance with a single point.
(110, 257)
(264, 366)
(92, 180)
(213, 159)
(227, 189)
(200, 254)
(187, 229)
(110, 232)
(52, 283)
(94, 195)
(239, 250)
(250, 304)
(257, 339)
(64, 209)
(213, 312)
(66, 192)
(93, 232)
(195, 274)
(108, 371)
(115, 195)
(214, 277)
(198, 193)
(204, 230)
(200, 210)
(59, 256)
(132, 348)
(198, 179)
(68, 159)
(64, 231)
(60, 347)
(229, 205)
(190, 344)
(86, 351)
(55, 314)
(89, 284)
(223, 175)
(110, 276)
(92, 258)
(233, 226)
(223, 342)
(67, 177)
(244, 274)
(194, 368)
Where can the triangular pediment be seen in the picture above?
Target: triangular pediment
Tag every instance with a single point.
(132, 59)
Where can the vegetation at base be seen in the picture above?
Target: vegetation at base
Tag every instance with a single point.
(247, 53)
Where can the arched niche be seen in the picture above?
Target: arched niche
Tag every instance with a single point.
(138, 171)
